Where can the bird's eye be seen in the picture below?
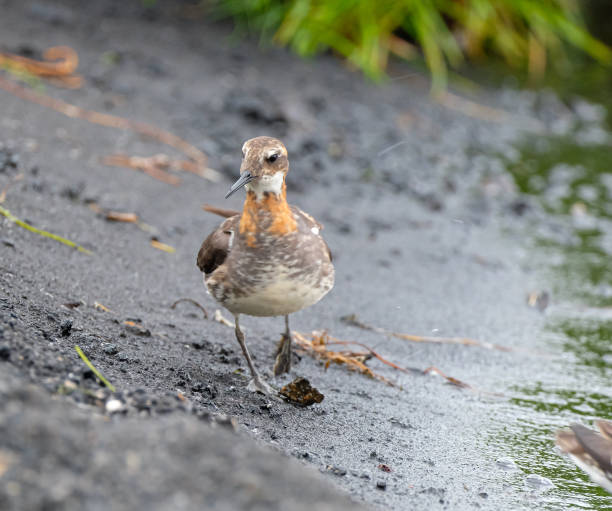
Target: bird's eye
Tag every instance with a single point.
(272, 158)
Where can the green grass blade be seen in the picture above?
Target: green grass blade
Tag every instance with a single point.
(5, 212)
(94, 370)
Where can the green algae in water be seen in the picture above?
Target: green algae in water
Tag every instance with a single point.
(573, 183)
(530, 442)
(571, 177)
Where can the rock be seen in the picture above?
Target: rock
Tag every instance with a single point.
(337, 471)
(114, 406)
(65, 328)
(506, 463)
(538, 482)
(5, 352)
(111, 349)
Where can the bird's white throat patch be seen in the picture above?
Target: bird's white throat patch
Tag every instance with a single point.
(267, 183)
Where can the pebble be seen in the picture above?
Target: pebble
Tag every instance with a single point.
(5, 352)
(111, 349)
(506, 463)
(114, 406)
(337, 471)
(381, 485)
(538, 482)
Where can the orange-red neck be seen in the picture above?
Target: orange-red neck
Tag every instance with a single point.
(269, 213)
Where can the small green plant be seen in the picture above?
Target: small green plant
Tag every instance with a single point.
(525, 33)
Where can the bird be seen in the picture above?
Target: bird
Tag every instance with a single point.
(269, 259)
(590, 450)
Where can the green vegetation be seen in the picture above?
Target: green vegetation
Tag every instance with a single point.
(93, 369)
(524, 33)
(6, 213)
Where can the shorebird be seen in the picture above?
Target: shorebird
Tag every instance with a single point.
(269, 259)
(590, 450)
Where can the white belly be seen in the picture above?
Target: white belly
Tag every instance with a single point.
(281, 296)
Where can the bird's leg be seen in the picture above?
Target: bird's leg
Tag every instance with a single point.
(256, 384)
(283, 352)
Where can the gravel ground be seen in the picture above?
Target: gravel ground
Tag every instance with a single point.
(424, 223)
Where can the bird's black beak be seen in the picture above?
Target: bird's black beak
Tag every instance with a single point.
(245, 177)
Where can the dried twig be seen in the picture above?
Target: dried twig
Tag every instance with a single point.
(449, 379)
(58, 66)
(154, 166)
(119, 216)
(317, 347)
(466, 341)
(320, 341)
(67, 60)
(40, 232)
(192, 301)
(163, 247)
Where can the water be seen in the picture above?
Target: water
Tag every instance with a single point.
(569, 176)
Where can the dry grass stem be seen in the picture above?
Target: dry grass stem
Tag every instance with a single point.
(193, 302)
(466, 341)
(163, 247)
(59, 64)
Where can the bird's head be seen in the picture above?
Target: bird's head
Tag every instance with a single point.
(264, 167)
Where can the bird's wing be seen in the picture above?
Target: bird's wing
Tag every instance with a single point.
(225, 213)
(311, 223)
(215, 248)
(596, 445)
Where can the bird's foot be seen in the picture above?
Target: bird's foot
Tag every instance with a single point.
(258, 385)
(283, 356)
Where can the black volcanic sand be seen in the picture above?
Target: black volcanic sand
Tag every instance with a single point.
(423, 221)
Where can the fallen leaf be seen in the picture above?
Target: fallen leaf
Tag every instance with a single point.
(300, 392)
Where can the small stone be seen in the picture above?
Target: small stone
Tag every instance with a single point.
(111, 349)
(114, 406)
(65, 328)
(538, 482)
(381, 485)
(69, 385)
(5, 352)
(506, 463)
(337, 471)
(135, 327)
(226, 421)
